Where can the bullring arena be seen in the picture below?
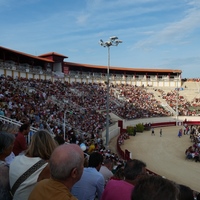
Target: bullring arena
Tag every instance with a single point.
(70, 84)
(164, 155)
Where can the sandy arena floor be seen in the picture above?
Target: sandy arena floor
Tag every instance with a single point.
(164, 155)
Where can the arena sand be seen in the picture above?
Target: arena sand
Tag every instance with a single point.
(164, 155)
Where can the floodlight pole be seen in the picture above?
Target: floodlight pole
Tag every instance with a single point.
(177, 99)
(107, 98)
(113, 41)
(64, 125)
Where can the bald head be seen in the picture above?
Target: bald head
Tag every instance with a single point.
(66, 163)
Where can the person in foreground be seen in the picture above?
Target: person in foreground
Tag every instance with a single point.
(6, 146)
(91, 184)
(66, 168)
(155, 188)
(122, 189)
(185, 193)
(35, 162)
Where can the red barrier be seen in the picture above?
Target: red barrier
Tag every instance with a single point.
(163, 124)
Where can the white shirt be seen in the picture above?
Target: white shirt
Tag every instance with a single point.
(18, 166)
(106, 173)
(10, 158)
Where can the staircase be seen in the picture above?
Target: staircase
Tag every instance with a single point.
(162, 101)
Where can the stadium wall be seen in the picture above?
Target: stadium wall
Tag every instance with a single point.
(8, 70)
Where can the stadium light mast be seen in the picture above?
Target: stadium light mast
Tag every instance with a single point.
(113, 41)
(177, 95)
(64, 125)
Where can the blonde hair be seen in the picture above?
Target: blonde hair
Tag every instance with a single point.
(42, 145)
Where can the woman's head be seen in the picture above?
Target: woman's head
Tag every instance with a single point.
(42, 145)
(155, 188)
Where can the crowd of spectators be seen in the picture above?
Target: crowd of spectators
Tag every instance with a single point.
(44, 105)
(184, 106)
(77, 110)
(193, 151)
(138, 103)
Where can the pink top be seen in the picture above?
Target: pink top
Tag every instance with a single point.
(117, 190)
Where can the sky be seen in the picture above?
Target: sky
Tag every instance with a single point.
(159, 34)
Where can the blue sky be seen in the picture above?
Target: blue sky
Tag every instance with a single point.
(161, 34)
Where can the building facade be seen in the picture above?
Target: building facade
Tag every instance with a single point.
(51, 66)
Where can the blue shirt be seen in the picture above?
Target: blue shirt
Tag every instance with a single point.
(90, 184)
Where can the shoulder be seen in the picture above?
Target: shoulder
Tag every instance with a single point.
(45, 173)
(115, 183)
(20, 137)
(24, 161)
(3, 168)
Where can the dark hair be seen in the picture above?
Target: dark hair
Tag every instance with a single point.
(95, 159)
(198, 196)
(133, 168)
(6, 139)
(24, 126)
(107, 161)
(186, 193)
(59, 139)
(154, 188)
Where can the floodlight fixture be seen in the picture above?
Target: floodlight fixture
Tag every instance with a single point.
(113, 38)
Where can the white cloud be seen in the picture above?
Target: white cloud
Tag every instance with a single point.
(173, 32)
(82, 19)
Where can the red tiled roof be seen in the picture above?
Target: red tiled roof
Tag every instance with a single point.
(52, 54)
(25, 54)
(41, 57)
(125, 69)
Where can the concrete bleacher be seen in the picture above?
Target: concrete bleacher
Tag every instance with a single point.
(162, 101)
(190, 90)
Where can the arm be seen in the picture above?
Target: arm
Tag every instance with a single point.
(100, 186)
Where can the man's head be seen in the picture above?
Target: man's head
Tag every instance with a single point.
(108, 163)
(185, 193)
(25, 128)
(155, 188)
(134, 169)
(95, 160)
(66, 164)
(6, 144)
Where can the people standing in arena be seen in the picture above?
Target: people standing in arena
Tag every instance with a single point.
(65, 169)
(161, 132)
(152, 131)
